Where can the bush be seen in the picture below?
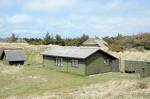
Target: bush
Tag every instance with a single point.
(120, 42)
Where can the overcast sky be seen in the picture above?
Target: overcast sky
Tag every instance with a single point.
(71, 18)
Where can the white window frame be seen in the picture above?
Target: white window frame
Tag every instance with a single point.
(75, 63)
(59, 61)
(107, 61)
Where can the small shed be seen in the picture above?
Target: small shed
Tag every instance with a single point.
(141, 67)
(12, 56)
(80, 60)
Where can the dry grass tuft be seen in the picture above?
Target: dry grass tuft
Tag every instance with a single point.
(6, 69)
(136, 55)
(111, 90)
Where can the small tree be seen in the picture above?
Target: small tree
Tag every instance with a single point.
(13, 38)
(58, 39)
(83, 38)
(47, 39)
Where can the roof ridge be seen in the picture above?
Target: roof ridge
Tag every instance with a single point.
(79, 47)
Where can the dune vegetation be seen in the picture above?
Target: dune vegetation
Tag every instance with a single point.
(33, 81)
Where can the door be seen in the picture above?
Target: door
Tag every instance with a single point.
(115, 66)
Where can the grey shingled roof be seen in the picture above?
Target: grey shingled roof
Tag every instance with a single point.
(96, 41)
(90, 41)
(14, 54)
(72, 52)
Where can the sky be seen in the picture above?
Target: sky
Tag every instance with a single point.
(72, 18)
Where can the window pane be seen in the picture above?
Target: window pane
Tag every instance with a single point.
(74, 63)
(56, 62)
(107, 61)
(61, 61)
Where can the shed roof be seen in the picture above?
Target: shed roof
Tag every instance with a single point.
(14, 54)
(72, 52)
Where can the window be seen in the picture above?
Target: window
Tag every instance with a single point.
(59, 62)
(75, 63)
(107, 61)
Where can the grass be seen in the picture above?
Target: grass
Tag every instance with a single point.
(33, 81)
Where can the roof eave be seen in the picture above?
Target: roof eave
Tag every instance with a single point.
(15, 60)
(64, 56)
